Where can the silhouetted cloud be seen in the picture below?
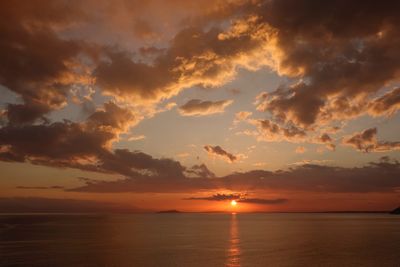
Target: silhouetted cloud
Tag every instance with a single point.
(241, 198)
(218, 151)
(217, 197)
(85, 146)
(197, 107)
(200, 171)
(40, 187)
(366, 141)
(381, 176)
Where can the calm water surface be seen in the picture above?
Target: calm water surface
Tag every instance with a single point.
(200, 240)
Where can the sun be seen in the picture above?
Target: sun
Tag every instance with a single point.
(233, 203)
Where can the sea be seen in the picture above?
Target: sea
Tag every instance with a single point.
(200, 239)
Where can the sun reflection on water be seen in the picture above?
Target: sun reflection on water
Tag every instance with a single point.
(233, 259)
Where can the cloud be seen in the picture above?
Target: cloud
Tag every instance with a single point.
(200, 171)
(240, 198)
(195, 56)
(387, 104)
(366, 141)
(37, 64)
(338, 73)
(381, 176)
(234, 91)
(270, 131)
(311, 161)
(342, 57)
(300, 149)
(46, 58)
(242, 116)
(40, 187)
(136, 137)
(66, 144)
(85, 146)
(327, 140)
(218, 151)
(263, 201)
(197, 107)
(217, 197)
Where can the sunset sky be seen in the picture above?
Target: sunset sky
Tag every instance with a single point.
(154, 105)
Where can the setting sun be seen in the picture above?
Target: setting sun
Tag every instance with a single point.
(233, 203)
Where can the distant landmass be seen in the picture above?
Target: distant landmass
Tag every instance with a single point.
(169, 211)
(395, 211)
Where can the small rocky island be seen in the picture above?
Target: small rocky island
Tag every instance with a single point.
(396, 211)
(169, 211)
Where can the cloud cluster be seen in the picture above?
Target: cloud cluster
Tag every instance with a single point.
(86, 146)
(195, 56)
(197, 107)
(46, 57)
(342, 53)
(37, 64)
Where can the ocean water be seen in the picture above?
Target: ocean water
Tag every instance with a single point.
(205, 240)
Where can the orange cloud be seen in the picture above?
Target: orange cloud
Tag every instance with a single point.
(300, 149)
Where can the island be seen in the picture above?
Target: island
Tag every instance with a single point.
(396, 211)
(169, 211)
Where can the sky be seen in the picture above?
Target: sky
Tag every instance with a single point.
(124, 106)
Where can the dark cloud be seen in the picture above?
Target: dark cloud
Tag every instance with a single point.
(271, 131)
(366, 141)
(263, 201)
(37, 64)
(381, 176)
(65, 143)
(327, 140)
(241, 198)
(40, 187)
(200, 171)
(218, 151)
(217, 197)
(84, 146)
(197, 107)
